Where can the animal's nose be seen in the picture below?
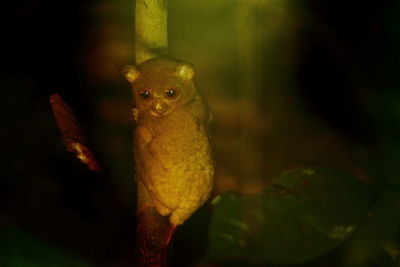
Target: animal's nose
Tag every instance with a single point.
(159, 108)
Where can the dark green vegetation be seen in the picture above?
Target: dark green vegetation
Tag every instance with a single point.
(303, 215)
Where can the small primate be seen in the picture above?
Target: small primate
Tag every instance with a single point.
(171, 141)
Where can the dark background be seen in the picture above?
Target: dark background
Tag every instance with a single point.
(54, 211)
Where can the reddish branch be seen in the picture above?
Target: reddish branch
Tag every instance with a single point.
(153, 237)
(71, 132)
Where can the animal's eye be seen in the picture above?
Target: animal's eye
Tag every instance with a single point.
(145, 94)
(171, 93)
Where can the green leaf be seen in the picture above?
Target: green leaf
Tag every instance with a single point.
(377, 242)
(302, 215)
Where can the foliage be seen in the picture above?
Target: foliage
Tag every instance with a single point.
(302, 215)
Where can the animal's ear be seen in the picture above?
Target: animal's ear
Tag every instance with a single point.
(185, 71)
(130, 73)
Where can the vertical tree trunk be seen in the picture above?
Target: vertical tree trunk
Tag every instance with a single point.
(151, 36)
(153, 230)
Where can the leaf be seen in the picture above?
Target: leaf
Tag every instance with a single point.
(377, 242)
(304, 214)
(71, 132)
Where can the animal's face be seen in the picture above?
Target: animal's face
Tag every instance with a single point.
(160, 85)
(158, 101)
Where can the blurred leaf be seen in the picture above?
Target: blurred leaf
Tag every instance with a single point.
(304, 214)
(71, 132)
(378, 239)
(20, 249)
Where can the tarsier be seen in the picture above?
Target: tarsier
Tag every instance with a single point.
(171, 141)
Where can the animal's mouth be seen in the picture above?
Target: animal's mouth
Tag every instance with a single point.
(159, 114)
